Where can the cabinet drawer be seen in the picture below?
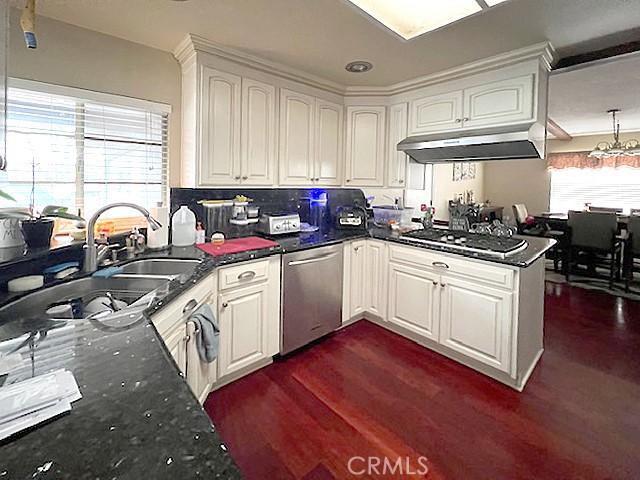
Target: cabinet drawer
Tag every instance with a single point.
(473, 270)
(243, 274)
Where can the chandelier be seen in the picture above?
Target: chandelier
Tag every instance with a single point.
(615, 149)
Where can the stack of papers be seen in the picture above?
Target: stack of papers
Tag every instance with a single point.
(30, 402)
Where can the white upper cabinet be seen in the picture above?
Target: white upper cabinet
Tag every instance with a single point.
(258, 145)
(365, 146)
(504, 101)
(297, 125)
(220, 134)
(476, 321)
(329, 157)
(436, 113)
(397, 161)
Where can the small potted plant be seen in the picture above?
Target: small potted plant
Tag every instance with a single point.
(38, 228)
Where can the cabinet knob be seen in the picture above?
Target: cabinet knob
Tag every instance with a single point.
(317, 179)
(400, 181)
(237, 177)
(443, 284)
(458, 120)
(245, 177)
(348, 180)
(465, 119)
(225, 305)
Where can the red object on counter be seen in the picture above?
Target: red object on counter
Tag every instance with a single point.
(236, 245)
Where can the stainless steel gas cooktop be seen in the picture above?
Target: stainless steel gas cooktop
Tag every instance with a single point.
(500, 247)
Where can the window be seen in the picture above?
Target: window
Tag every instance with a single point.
(82, 149)
(571, 188)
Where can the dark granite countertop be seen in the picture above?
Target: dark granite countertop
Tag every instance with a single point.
(537, 247)
(138, 417)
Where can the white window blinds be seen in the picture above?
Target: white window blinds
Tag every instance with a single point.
(81, 153)
(572, 188)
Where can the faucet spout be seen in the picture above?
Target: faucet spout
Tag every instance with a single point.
(91, 252)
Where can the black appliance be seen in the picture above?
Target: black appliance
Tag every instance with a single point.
(352, 217)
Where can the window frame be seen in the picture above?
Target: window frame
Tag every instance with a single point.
(83, 96)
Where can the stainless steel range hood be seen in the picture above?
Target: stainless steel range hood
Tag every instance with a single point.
(497, 143)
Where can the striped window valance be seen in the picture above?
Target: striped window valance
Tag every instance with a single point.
(583, 160)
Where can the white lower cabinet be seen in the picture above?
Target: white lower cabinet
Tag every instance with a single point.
(414, 300)
(201, 375)
(176, 342)
(356, 279)
(476, 320)
(376, 278)
(249, 315)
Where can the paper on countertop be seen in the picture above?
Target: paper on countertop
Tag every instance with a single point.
(35, 400)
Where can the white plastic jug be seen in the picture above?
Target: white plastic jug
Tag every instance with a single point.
(183, 227)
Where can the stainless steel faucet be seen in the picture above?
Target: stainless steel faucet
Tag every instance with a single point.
(91, 251)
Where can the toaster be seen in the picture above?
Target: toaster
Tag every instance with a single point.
(351, 218)
(279, 224)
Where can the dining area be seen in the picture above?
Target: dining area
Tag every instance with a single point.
(594, 243)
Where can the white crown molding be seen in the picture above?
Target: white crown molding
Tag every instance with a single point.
(192, 44)
(544, 52)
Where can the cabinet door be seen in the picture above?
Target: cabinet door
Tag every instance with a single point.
(258, 133)
(243, 329)
(397, 161)
(376, 277)
(365, 146)
(414, 300)
(476, 321)
(358, 279)
(176, 342)
(329, 151)
(505, 101)
(220, 128)
(297, 124)
(201, 375)
(436, 113)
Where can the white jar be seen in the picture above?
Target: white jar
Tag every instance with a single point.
(183, 227)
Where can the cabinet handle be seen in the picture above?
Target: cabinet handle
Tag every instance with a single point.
(400, 181)
(237, 177)
(355, 249)
(225, 305)
(443, 284)
(245, 177)
(348, 180)
(458, 120)
(191, 304)
(246, 275)
(465, 119)
(435, 283)
(440, 264)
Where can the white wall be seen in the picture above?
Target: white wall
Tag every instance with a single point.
(445, 189)
(77, 57)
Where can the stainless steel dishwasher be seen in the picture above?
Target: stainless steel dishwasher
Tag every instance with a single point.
(311, 295)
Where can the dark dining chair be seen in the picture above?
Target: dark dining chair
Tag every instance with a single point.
(594, 235)
(632, 249)
(539, 229)
(605, 209)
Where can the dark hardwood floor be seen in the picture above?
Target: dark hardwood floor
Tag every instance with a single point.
(366, 392)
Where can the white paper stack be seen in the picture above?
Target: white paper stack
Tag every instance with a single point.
(35, 400)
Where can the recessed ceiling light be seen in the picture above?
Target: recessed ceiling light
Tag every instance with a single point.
(359, 66)
(411, 18)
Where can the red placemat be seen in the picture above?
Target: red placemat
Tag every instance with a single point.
(236, 245)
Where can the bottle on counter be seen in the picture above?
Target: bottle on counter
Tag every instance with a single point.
(183, 227)
(159, 239)
(200, 234)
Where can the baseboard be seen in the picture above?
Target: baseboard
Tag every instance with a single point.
(232, 377)
(525, 378)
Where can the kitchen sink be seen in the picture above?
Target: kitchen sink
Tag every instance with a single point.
(159, 266)
(82, 297)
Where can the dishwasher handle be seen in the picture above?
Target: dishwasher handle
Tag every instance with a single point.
(293, 263)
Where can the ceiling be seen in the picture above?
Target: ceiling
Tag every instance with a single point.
(321, 36)
(579, 98)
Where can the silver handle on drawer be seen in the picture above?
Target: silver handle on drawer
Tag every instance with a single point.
(440, 264)
(191, 304)
(247, 275)
(313, 259)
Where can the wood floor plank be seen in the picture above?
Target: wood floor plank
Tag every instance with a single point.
(365, 391)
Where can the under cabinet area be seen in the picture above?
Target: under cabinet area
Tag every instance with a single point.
(466, 309)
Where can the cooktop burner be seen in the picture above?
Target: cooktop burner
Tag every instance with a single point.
(471, 242)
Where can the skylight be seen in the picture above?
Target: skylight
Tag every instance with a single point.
(411, 18)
